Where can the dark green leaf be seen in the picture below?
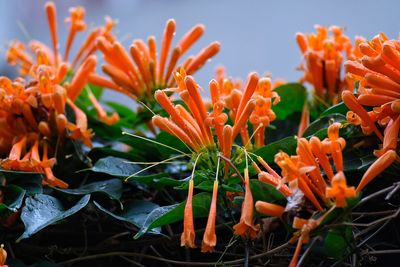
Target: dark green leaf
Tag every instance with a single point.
(29, 181)
(112, 188)
(268, 152)
(337, 241)
(323, 123)
(265, 192)
(339, 108)
(115, 167)
(134, 212)
(165, 138)
(293, 97)
(13, 198)
(122, 110)
(174, 213)
(41, 211)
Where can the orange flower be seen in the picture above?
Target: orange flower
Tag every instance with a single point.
(210, 238)
(339, 190)
(245, 228)
(303, 234)
(188, 235)
(269, 209)
(271, 177)
(3, 256)
(31, 117)
(239, 101)
(194, 126)
(323, 55)
(378, 77)
(304, 120)
(141, 73)
(51, 59)
(305, 171)
(376, 168)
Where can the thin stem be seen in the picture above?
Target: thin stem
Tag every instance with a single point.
(151, 166)
(232, 165)
(161, 259)
(155, 142)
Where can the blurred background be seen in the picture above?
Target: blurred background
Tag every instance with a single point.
(255, 35)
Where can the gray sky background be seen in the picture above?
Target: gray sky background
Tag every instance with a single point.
(255, 35)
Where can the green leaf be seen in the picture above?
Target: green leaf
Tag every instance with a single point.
(337, 241)
(339, 108)
(115, 167)
(166, 138)
(112, 188)
(323, 123)
(122, 110)
(134, 212)
(13, 198)
(83, 100)
(293, 97)
(29, 181)
(268, 152)
(174, 213)
(265, 192)
(42, 210)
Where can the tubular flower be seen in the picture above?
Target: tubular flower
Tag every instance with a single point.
(210, 238)
(3, 256)
(269, 209)
(188, 235)
(138, 73)
(378, 77)
(323, 55)
(84, 63)
(246, 228)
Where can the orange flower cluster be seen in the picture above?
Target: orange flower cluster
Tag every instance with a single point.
(323, 55)
(311, 172)
(304, 171)
(141, 74)
(201, 130)
(32, 117)
(378, 74)
(194, 127)
(82, 65)
(32, 112)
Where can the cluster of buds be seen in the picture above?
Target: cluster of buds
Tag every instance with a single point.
(323, 55)
(84, 62)
(141, 74)
(378, 75)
